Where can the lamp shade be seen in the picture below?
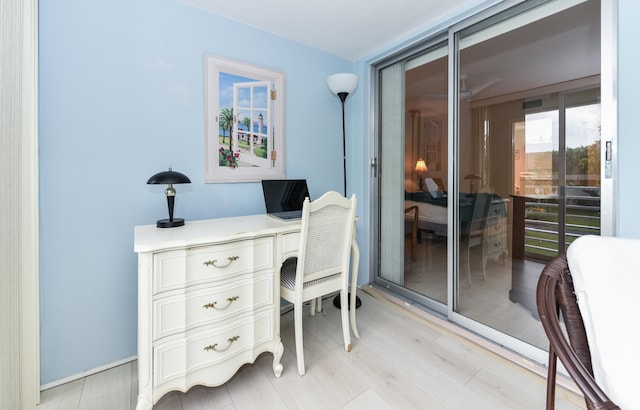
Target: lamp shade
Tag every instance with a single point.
(421, 166)
(169, 177)
(342, 83)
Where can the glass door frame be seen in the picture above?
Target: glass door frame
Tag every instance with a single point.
(608, 73)
(435, 41)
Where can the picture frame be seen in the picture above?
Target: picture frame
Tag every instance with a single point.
(244, 121)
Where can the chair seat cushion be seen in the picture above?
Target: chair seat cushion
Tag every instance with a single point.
(606, 278)
(288, 274)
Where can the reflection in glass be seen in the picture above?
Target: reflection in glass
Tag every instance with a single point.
(518, 157)
(532, 139)
(425, 175)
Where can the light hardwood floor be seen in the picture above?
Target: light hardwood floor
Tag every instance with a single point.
(483, 300)
(399, 362)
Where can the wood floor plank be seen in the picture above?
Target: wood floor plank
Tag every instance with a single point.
(373, 360)
(369, 400)
(513, 390)
(414, 345)
(134, 385)
(63, 397)
(170, 401)
(205, 398)
(327, 373)
(109, 389)
(251, 389)
(401, 361)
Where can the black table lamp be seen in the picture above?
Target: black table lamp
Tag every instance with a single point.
(169, 177)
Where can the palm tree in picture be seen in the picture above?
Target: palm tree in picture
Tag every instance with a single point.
(246, 121)
(226, 123)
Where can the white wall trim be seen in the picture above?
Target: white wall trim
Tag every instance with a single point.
(29, 225)
(19, 284)
(89, 372)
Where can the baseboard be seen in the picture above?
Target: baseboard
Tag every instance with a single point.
(87, 373)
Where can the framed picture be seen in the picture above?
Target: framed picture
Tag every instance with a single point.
(244, 121)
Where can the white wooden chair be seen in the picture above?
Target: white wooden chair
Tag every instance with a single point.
(322, 264)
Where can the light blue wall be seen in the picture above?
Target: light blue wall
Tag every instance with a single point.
(121, 98)
(628, 187)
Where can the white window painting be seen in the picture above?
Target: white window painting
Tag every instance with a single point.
(244, 108)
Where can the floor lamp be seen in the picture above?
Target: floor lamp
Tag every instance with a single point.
(343, 84)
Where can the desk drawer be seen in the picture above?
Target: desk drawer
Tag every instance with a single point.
(220, 351)
(182, 311)
(183, 268)
(290, 244)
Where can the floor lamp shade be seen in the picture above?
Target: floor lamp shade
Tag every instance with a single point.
(342, 83)
(169, 177)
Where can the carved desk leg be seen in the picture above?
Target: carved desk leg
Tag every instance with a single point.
(277, 356)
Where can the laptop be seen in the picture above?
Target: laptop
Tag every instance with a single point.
(283, 198)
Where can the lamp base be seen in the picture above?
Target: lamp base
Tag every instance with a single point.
(167, 223)
(337, 304)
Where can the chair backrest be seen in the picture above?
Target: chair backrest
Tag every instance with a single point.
(325, 237)
(481, 204)
(555, 293)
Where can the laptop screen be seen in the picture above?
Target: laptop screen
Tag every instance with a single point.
(283, 195)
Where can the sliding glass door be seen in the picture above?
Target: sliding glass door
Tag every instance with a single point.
(526, 186)
(413, 178)
(489, 153)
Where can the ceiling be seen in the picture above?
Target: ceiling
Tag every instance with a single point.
(557, 49)
(369, 25)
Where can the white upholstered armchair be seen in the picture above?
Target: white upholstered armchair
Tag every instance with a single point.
(595, 286)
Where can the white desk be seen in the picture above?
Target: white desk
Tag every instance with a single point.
(209, 300)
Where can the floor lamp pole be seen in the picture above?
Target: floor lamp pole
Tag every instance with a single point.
(343, 98)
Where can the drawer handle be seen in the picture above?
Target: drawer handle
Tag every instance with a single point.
(213, 304)
(230, 259)
(215, 348)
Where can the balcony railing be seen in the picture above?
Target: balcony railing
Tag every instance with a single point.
(581, 215)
